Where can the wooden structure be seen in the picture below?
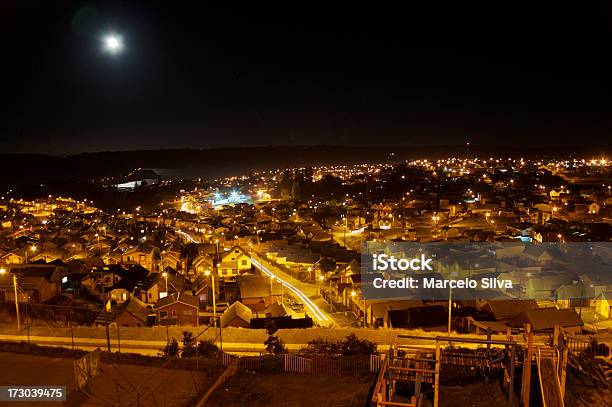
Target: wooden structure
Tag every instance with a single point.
(419, 364)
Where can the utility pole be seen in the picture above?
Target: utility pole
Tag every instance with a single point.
(212, 277)
(17, 303)
(450, 309)
(105, 317)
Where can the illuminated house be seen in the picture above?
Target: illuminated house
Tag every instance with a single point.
(234, 262)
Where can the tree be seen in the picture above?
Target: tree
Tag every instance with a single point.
(273, 344)
(188, 345)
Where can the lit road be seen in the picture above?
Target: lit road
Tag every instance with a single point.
(187, 236)
(318, 315)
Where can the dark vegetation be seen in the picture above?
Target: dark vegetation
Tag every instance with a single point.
(350, 346)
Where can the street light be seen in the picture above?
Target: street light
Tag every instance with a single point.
(3, 271)
(207, 273)
(33, 248)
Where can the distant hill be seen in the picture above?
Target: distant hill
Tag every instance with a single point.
(26, 169)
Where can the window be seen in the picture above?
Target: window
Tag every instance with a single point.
(244, 262)
(173, 313)
(163, 315)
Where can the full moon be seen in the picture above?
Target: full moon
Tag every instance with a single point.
(113, 43)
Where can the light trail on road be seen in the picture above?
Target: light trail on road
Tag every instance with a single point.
(320, 315)
(187, 236)
(316, 311)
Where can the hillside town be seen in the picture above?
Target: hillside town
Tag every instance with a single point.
(285, 246)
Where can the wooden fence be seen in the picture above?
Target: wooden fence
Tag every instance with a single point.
(325, 365)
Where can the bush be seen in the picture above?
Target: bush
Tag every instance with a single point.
(170, 349)
(352, 345)
(207, 348)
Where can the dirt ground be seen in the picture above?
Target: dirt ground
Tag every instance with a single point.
(473, 395)
(166, 387)
(286, 390)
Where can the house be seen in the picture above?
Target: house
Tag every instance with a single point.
(143, 255)
(417, 317)
(545, 319)
(505, 310)
(49, 255)
(538, 253)
(376, 310)
(171, 259)
(36, 284)
(603, 304)
(258, 292)
(278, 309)
(202, 288)
(178, 309)
(237, 315)
(234, 262)
(132, 313)
(151, 289)
(202, 263)
(17, 256)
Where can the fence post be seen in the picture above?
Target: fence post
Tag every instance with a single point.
(526, 382)
(118, 340)
(71, 330)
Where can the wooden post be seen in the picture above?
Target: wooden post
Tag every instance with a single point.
(563, 372)
(511, 385)
(489, 332)
(437, 377)
(526, 383)
(417, 376)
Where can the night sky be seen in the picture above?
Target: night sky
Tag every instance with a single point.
(206, 74)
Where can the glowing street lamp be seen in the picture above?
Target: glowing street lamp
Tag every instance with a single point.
(2, 272)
